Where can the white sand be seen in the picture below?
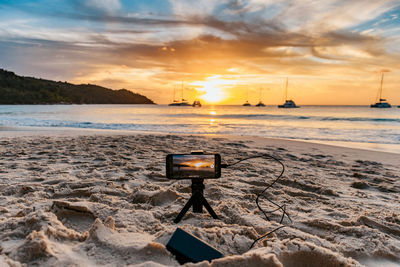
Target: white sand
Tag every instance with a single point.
(71, 199)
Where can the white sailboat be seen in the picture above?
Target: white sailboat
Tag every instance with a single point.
(288, 102)
(381, 103)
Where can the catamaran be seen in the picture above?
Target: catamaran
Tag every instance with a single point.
(196, 103)
(183, 102)
(381, 102)
(288, 102)
(260, 103)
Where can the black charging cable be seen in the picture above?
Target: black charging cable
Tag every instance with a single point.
(278, 207)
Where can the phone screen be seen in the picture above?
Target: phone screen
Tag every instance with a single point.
(187, 166)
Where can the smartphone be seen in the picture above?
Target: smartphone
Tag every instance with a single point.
(190, 166)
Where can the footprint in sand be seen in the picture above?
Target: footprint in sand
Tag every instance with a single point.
(75, 217)
(156, 198)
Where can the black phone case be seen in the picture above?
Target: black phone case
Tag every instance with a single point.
(169, 172)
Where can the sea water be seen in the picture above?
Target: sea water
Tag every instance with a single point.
(352, 126)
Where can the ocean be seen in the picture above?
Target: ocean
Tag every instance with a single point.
(351, 126)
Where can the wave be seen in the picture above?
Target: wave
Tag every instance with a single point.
(284, 117)
(362, 119)
(380, 136)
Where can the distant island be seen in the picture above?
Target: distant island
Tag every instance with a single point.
(16, 89)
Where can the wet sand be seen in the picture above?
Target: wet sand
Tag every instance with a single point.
(101, 198)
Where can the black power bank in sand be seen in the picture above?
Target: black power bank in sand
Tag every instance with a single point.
(188, 248)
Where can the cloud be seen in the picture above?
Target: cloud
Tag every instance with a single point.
(108, 5)
(385, 70)
(188, 8)
(98, 6)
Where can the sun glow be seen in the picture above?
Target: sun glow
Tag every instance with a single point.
(212, 94)
(212, 89)
(198, 164)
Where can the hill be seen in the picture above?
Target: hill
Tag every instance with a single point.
(16, 89)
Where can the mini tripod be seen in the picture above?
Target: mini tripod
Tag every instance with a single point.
(197, 200)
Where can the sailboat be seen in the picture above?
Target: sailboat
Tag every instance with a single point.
(260, 103)
(174, 100)
(381, 102)
(288, 102)
(183, 102)
(247, 104)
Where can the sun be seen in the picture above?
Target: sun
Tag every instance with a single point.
(212, 94)
(212, 89)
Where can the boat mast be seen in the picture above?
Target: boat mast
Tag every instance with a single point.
(182, 91)
(286, 88)
(380, 90)
(260, 95)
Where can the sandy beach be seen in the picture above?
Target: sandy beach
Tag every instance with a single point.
(88, 198)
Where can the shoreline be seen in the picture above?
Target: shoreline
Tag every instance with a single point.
(6, 131)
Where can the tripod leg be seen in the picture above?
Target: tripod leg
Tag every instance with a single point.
(184, 210)
(208, 207)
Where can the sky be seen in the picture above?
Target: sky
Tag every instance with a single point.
(333, 52)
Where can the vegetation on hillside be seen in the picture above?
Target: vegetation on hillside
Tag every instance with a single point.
(16, 89)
